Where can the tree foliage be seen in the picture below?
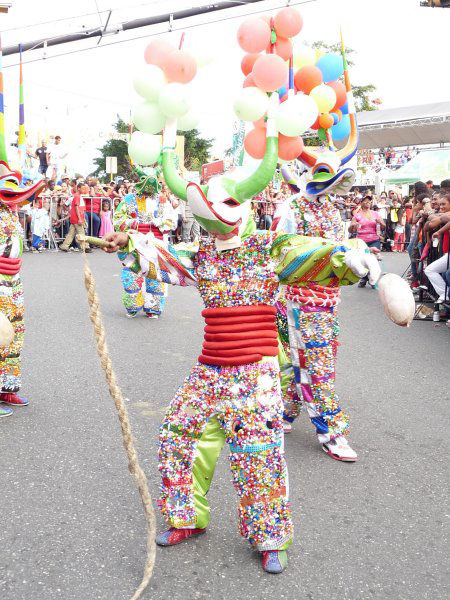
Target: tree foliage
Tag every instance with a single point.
(117, 148)
(196, 152)
(196, 149)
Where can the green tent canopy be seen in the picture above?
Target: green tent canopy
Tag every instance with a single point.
(434, 165)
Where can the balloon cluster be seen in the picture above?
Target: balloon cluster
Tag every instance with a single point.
(316, 98)
(162, 84)
(265, 73)
(318, 76)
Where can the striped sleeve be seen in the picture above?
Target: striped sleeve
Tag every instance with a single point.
(301, 260)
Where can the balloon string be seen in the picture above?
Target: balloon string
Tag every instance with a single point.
(127, 438)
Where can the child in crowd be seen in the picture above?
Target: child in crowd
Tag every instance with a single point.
(40, 225)
(106, 219)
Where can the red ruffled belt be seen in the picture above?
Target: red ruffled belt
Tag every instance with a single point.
(239, 335)
(10, 266)
(146, 227)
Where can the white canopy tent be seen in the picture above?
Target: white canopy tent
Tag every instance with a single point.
(425, 124)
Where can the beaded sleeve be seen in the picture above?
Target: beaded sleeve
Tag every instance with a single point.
(302, 260)
(151, 257)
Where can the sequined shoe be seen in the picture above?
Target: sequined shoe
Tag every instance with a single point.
(274, 561)
(174, 536)
(131, 315)
(13, 399)
(339, 449)
(5, 411)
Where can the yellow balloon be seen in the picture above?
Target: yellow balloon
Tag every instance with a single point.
(324, 96)
(319, 53)
(304, 56)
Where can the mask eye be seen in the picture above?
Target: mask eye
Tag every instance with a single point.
(231, 202)
(322, 169)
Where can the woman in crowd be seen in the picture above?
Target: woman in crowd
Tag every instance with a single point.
(394, 218)
(365, 222)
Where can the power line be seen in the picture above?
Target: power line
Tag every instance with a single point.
(147, 35)
(75, 17)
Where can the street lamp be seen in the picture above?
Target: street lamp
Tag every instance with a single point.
(5, 6)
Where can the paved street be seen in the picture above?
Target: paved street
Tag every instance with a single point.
(72, 526)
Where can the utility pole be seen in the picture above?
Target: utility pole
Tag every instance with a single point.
(99, 32)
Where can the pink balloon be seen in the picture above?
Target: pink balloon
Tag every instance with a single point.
(289, 147)
(249, 81)
(253, 35)
(179, 66)
(255, 142)
(260, 122)
(247, 63)
(282, 47)
(288, 22)
(270, 72)
(266, 18)
(157, 51)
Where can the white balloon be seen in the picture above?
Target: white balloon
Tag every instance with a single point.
(144, 149)
(397, 299)
(149, 81)
(296, 115)
(251, 104)
(188, 121)
(173, 100)
(148, 118)
(202, 54)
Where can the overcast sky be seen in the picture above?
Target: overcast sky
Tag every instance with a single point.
(400, 47)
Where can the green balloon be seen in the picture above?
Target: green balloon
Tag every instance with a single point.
(148, 118)
(144, 149)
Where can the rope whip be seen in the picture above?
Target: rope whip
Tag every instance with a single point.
(127, 438)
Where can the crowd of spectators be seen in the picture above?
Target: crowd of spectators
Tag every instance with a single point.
(72, 206)
(418, 224)
(386, 157)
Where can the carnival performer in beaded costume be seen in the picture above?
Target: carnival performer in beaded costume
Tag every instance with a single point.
(144, 211)
(233, 392)
(309, 328)
(307, 318)
(12, 196)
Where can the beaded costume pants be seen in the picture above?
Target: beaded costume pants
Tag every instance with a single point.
(142, 293)
(313, 333)
(241, 405)
(11, 305)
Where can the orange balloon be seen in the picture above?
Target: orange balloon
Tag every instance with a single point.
(260, 122)
(179, 66)
(289, 147)
(249, 81)
(247, 63)
(157, 51)
(270, 72)
(288, 22)
(282, 47)
(341, 93)
(253, 35)
(326, 121)
(307, 78)
(255, 142)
